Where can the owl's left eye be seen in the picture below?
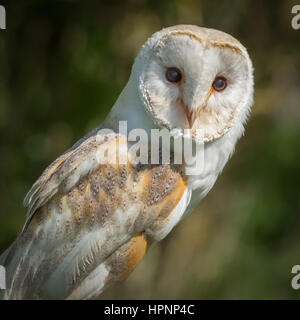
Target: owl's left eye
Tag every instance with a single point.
(219, 84)
(173, 74)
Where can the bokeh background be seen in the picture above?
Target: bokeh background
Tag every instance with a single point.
(62, 66)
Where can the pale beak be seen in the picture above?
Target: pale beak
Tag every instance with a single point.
(190, 114)
(191, 117)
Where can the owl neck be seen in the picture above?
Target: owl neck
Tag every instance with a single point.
(129, 108)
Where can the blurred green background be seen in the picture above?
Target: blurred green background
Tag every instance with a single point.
(62, 66)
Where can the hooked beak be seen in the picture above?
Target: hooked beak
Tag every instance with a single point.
(190, 114)
(197, 103)
(191, 117)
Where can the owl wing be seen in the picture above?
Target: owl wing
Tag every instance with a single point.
(89, 224)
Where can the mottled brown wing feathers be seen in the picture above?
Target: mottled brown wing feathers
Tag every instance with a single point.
(83, 214)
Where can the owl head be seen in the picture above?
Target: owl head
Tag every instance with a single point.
(195, 78)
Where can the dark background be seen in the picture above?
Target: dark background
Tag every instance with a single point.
(62, 66)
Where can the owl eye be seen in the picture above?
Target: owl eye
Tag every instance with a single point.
(219, 84)
(173, 74)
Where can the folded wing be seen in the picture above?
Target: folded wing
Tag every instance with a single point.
(89, 224)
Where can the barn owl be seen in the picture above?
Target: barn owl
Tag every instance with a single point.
(89, 224)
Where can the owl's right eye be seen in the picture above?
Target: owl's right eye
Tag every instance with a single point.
(173, 74)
